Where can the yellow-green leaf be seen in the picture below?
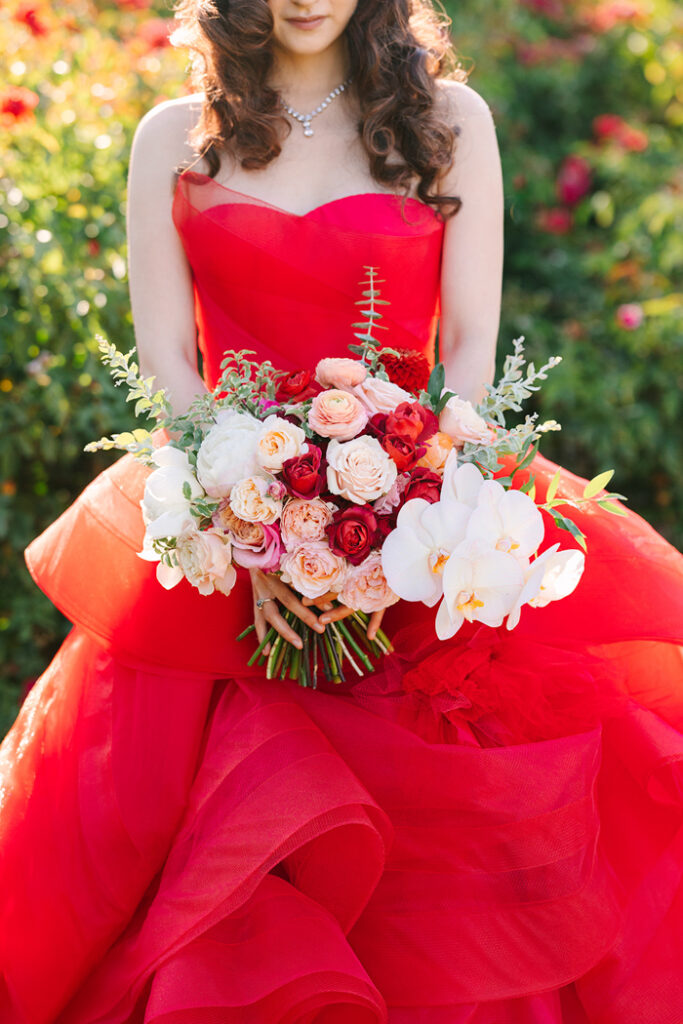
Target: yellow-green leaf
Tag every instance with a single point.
(553, 485)
(609, 506)
(598, 483)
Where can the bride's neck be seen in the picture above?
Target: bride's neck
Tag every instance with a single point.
(304, 80)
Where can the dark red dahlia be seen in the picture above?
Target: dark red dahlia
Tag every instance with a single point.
(410, 369)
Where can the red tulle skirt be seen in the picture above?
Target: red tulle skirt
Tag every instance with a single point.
(484, 831)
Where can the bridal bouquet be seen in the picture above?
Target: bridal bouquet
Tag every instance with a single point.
(366, 482)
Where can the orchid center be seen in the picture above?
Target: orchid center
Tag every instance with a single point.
(467, 603)
(507, 544)
(437, 561)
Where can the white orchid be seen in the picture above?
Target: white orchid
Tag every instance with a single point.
(415, 553)
(479, 584)
(461, 483)
(552, 576)
(165, 505)
(507, 521)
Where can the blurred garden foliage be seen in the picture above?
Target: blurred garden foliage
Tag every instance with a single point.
(587, 99)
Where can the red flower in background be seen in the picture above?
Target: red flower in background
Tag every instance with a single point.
(556, 220)
(548, 8)
(17, 103)
(155, 32)
(612, 128)
(630, 316)
(606, 15)
(410, 369)
(134, 5)
(573, 179)
(27, 14)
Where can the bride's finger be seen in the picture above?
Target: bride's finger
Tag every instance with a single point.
(278, 623)
(291, 601)
(324, 602)
(374, 624)
(342, 612)
(261, 627)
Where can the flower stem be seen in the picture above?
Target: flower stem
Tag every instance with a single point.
(259, 650)
(246, 632)
(341, 626)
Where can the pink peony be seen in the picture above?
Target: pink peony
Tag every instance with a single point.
(366, 588)
(340, 373)
(337, 414)
(304, 521)
(313, 569)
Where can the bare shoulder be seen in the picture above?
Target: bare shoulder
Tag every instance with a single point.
(161, 143)
(460, 102)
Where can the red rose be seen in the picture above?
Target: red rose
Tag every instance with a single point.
(573, 179)
(377, 425)
(303, 475)
(294, 385)
(352, 533)
(410, 369)
(423, 483)
(402, 450)
(385, 524)
(413, 421)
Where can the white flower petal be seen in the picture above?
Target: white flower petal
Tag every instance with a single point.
(169, 576)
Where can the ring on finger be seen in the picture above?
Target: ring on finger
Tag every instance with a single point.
(262, 600)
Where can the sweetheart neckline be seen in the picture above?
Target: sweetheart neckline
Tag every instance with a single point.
(308, 213)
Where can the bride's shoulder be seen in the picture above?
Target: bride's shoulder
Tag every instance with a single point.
(458, 101)
(161, 141)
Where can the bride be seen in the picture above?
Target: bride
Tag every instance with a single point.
(486, 830)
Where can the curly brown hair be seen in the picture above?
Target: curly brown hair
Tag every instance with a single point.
(397, 50)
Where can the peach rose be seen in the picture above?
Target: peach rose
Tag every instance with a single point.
(459, 420)
(250, 500)
(439, 446)
(204, 558)
(380, 395)
(313, 569)
(337, 414)
(340, 373)
(278, 441)
(366, 588)
(359, 470)
(303, 521)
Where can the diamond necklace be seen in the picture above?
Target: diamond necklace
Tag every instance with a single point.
(306, 119)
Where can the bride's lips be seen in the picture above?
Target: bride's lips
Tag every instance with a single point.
(307, 23)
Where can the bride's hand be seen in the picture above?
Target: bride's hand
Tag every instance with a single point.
(331, 614)
(269, 589)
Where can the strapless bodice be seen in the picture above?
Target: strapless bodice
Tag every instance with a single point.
(285, 285)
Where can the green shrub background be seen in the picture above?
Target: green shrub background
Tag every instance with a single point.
(547, 69)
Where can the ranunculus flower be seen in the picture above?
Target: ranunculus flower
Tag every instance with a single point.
(352, 533)
(380, 395)
(630, 315)
(254, 545)
(425, 484)
(278, 441)
(296, 385)
(402, 451)
(337, 414)
(573, 179)
(304, 475)
(480, 584)
(228, 452)
(463, 424)
(415, 553)
(313, 570)
(203, 557)
(413, 421)
(409, 369)
(165, 508)
(304, 521)
(250, 500)
(359, 470)
(552, 576)
(438, 448)
(340, 373)
(366, 588)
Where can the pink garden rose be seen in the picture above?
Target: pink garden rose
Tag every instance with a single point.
(380, 395)
(254, 545)
(340, 373)
(463, 424)
(366, 588)
(304, 521)
(359, 470)
(313, 569)
(337, 414)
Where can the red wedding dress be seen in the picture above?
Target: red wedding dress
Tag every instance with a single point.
(485, 831)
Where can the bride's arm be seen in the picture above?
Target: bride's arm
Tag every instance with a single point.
(160, 280)
(472, 268)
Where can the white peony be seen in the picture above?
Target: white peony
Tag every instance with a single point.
(359, 470)
(165, 508)
(552, 576)
(278, 441)
(228, 452)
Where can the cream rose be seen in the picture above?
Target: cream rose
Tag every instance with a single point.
(303, 521)
(459, 420)
(337, 414)
(204, 558)
(366, 588)
(359, 470)
(340, 373)
(313, 569)
(380, 395)
(250, 500)
(228, 452)
(279, 440)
